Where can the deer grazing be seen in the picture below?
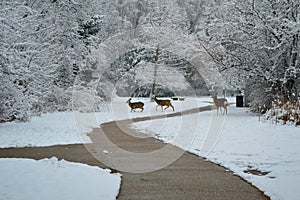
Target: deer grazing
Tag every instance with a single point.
(162, 103)
(222, 102)
(135, 105)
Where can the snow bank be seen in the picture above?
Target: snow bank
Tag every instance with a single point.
(50, 179)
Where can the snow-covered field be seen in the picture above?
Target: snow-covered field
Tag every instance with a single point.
(244, 145)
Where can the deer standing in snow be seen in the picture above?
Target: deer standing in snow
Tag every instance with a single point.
(135, 105)
(162, 103)
(222, 102)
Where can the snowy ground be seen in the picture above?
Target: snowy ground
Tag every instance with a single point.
(244, 145)
(266, 155)
(50, 179)
(72, 127)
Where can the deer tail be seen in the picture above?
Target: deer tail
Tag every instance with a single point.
(226, 103)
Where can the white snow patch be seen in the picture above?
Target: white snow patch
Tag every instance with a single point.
(50, 179)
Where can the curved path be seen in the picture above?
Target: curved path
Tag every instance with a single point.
(189, 177)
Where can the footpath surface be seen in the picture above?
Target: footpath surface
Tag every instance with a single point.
(189, 177)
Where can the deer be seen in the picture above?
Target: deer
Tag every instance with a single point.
(222, 102)
(135, 105)
(162, 103)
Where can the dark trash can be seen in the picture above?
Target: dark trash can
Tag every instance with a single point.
(239, 101)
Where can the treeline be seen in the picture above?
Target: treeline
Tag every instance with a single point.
(254, 45)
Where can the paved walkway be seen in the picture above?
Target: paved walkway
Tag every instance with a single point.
(189, 177)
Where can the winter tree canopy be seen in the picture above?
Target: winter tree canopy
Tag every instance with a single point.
(46, 46)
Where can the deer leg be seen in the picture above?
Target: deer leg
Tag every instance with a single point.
(172, 107)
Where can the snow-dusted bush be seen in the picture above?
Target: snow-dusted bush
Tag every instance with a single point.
(287, 113)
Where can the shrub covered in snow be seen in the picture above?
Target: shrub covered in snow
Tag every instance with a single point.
(284, 113)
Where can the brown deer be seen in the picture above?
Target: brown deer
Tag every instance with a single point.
(162, 103)
(222, 102)
(135, 105)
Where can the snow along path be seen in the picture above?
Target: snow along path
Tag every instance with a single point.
(50, 179)
(62, 128)
(267, 155)
(189, 177)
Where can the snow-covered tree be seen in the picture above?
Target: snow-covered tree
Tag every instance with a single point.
(256, 43)
(40, 54)
(46, 45)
